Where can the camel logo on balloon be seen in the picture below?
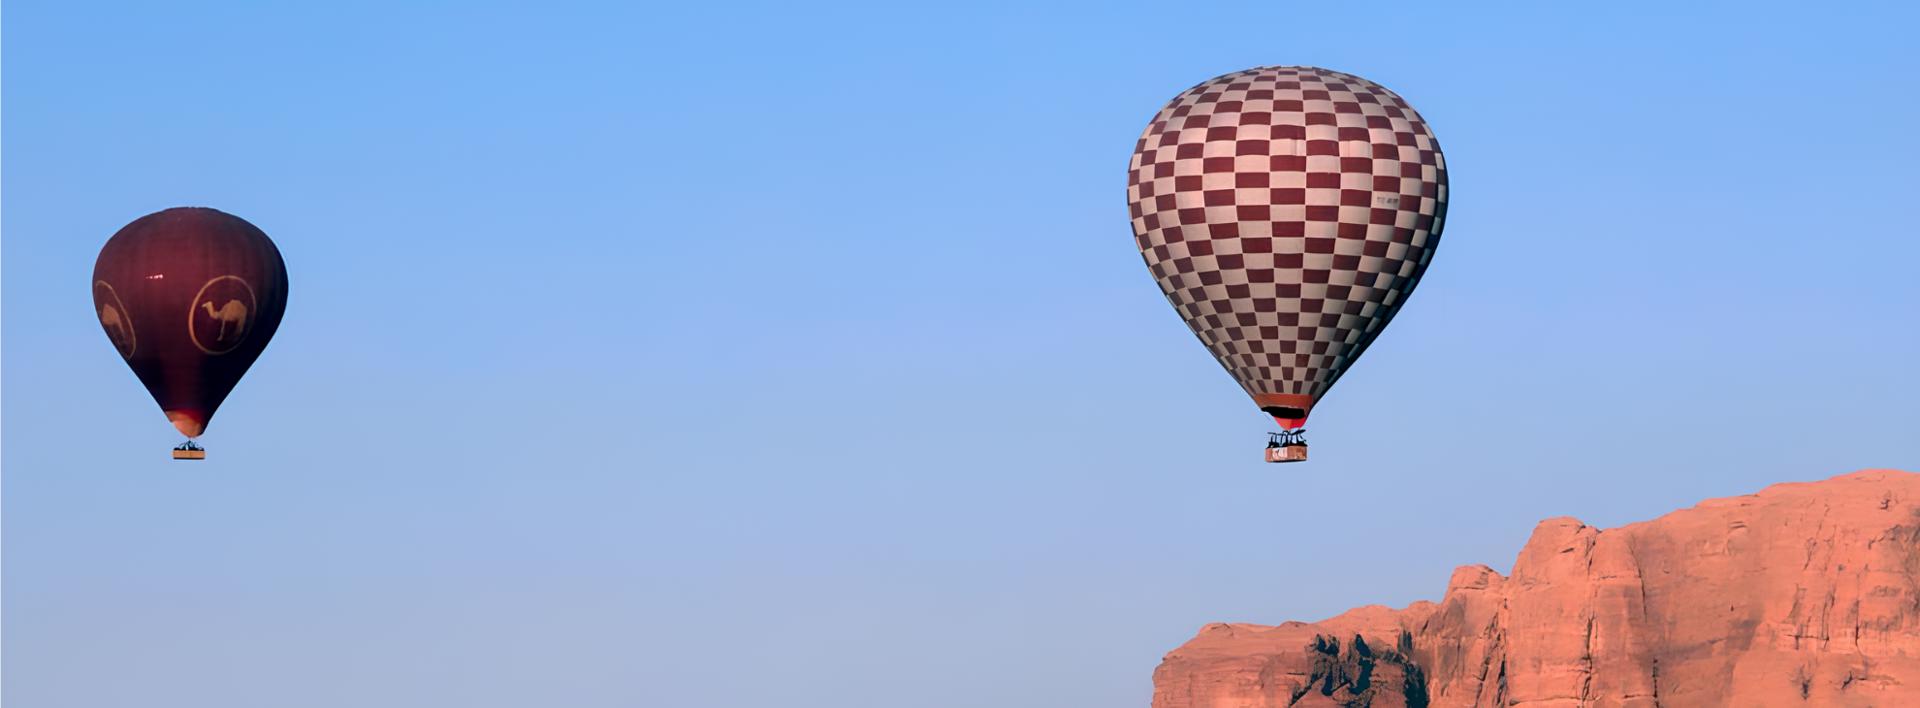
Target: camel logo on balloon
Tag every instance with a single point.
(231, 313)
(221, 315)
(114, 319)
(111, 320)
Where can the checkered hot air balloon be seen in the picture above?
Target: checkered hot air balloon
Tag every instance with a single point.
(1287, 213)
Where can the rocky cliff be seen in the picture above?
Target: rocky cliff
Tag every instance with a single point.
(1801, 595)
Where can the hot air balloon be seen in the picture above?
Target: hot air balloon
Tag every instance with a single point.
(189, 297)
(1287, 213)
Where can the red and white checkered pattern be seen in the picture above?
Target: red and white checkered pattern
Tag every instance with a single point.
(1287, 212)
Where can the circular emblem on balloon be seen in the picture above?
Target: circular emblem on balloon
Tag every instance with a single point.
(222, 314)
(115, 320)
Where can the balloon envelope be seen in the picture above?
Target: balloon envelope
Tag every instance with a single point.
(189, 297)
(1286, 213)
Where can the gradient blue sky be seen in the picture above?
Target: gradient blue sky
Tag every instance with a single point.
(793, 354)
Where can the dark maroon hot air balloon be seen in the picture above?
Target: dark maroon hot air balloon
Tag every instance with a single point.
(189, 296)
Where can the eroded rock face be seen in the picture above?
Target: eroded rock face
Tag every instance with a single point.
(1801, 595)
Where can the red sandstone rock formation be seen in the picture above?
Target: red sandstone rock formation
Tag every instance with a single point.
(1801, 595)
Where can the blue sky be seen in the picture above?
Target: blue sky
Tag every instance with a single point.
(799, 354)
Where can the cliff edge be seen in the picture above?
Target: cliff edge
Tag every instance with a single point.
(1805, 594)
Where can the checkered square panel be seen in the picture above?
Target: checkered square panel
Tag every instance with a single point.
(1287, 212)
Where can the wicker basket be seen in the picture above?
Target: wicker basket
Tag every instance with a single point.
(1287, 453)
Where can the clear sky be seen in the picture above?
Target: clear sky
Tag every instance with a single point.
(795, 354)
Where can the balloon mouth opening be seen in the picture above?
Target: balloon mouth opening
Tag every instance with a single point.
(1284, 412)
(1286, 417)
(188, 424)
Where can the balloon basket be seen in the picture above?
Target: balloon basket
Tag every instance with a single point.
(189, 451)
(1288, 446)
(1287, 453)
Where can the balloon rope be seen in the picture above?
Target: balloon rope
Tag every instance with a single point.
(1287, 438)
